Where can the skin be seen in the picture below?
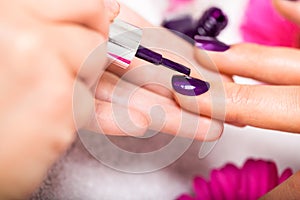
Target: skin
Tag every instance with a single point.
(274, 105)
(37, 72)
(36, 129)
(42, 50)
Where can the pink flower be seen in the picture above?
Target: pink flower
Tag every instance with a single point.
(262, 24)
(252, 181)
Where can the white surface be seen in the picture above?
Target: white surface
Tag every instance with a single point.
(79, 176)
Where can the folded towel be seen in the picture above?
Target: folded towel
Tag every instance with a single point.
(78, 175)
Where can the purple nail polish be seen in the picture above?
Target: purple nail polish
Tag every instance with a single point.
(157, 59)
(211, 23)
(189, 86)
(176, 66)
(210, 44)
(149, 55)
(183, 24)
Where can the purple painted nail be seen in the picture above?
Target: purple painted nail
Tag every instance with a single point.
(210, 44)
(189, 86)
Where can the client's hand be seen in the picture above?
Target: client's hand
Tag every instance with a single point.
(273, 106)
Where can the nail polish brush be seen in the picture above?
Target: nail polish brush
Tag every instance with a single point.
(124, 45)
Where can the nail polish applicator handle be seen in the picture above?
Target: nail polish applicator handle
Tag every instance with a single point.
(124, 44)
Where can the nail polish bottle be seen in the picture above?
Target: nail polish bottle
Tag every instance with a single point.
(210, 26)
(204, 31)
(179, 18)
(211, 23)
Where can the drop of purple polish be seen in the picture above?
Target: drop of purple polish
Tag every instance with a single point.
(189, 86)
(210, 44)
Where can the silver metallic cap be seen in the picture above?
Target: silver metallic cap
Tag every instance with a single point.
(123, 43)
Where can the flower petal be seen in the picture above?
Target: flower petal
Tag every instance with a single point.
(245, 180)
(262, 168)
(273, 175)
(215, 185)
(185, 197)
(230, 181)
(202, 189)
(285, 175)
(253, 180)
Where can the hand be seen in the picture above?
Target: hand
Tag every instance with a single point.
(128, 104)
(43, 47)
(43, 44)
(273, 106)
(290, 189)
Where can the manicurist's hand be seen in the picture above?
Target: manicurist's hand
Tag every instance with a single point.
(43, 44)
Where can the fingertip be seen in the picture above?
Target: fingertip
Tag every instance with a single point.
(288, 9)
(113, 8)
(215, 131)
(140, 121)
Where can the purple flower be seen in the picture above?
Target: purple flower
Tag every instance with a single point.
(253, 180)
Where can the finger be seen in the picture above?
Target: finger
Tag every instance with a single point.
(114, 119)
(288, 9)
(132, 17)
(164, 113)
(290, 189)
(271, 107)
(266, 64)
(84, 50)
(95, 14)
(151, 73)
(147, 73)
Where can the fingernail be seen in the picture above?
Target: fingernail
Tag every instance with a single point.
(189, 86)
(114, 8)
(210, 44)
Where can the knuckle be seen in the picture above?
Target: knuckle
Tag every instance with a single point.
(91, 7)
(56, 100)
(63, 141)
(239, 94)
(61, 99)
(29, 43)
(293, 108)
(239, 97)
